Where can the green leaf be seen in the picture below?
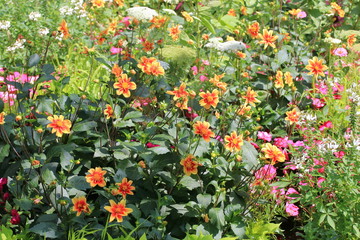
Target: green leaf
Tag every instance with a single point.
(133, 114)
(33, 60)
(207, 24)
(123, 124)
(249, 156)
(283, 56)
(189, 182)
(84, 126)
(159, 150)
(48, 69)
(78, 182)
(4, 152)
(143, 237)
(46, 229)
(204, 200)
(65, 158)
(331, 222)
(280, 184)
(24, 203)
(45, 105)
(217, 217)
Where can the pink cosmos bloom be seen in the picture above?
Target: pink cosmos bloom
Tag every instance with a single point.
(115, 50)
(301, 14)
(339, 154)
(203, 78)
(264, 136)
(267, 172)
(318, 103)
(291, 209)
(291, 191)
(298, 144)
(327, 124)
(341, 52)
(205, 62)
(195, 70)
(255, 145)
(282, 142)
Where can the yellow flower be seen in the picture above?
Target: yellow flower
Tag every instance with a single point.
(59, 125)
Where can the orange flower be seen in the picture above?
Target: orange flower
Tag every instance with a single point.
(292, 116)
(80, 205)
(125, 187)
(294, 12)
(147, 46)
(116, 70)
(337, 9)
(112, 25)
(244, 110)
(233, 142)
(96, 177)
(151, 66)
(158, 21)
(241, 54)
(232, 12)
(124, 85)
(202, 128)
(109, 112)
(187, 16)
(118, 210)
(243, 10)
(288, 79)
(190, 165)
(98, 3)
(59, 125)
(2, 118)
(279, 83)
(209, 99)
(174, 32)
(64, 29)
(351, 39)
(253, 30)
(267, 38)
(273, 153)
(250, 97)
(180, 94)
(120, 3)
(316, 67)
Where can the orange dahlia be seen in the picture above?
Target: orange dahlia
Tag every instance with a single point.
(190, 165)
(80, 205)
(59, 125)
(64, 29)
(109, 112)
(125, 188)
(292, 116)
(250, 97)
(2, 118)
(118, 210)
(209, 99)
(174, 32)
(202, 128)
(233, 142)
(273, 153)
(124, 85)
(267, 38)
(316, 67)
(96, 177)
(253, 30)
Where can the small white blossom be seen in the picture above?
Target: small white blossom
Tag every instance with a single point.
(332, 40)
(43, 31)
(142, 13)
(172, 1)
(5, 25)
(66, 10)
(231, 46)
(169, 11)
(34, 16)
(19, 44)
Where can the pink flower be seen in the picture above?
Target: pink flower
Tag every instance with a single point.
(203, 78)
(277, 191)
(151, 145)
(264, 136)
(319, 181)
(291, 191)
(339, 154)
(282, 142)
(341, 52)
(318, 103)
(195, 70)
(205, 62)
(255, 145)
(327, 124)
(301, 14)
(267, 172)
(115, 50)
(291, 209)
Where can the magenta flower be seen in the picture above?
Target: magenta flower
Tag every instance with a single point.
(264, 136)
(267, 172)
(291, 191)
(291, 209)
(115, 50)
(341, 52)
(301, 14)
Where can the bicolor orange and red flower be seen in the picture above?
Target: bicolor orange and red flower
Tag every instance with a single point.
(294, 12)
(147, 46)
(253, 30)
(267, 39)
(292, 116)
(80, 205)
(180, 96)
(118, 210)
(96, 177)
(233, 142)
(109, 112)
(125, 188)
(209, 99)
(241, 54)
(151, 66)
(59, 125)
(174, 32)
(124, 85)
(64, 29)
(273, 153)
(244, 110)
(232, 12)
(316, 67)
(216, 81)
(337, 9)
(250, 97)
(351, 39)
(190, 166)
(2, 118)
(279, 82)
(203, 129)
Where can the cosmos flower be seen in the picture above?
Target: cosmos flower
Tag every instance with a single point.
(118, 210)
(96, 177)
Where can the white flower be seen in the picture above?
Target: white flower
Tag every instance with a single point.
(4, 25)
(66, 10)
(231, 46)
(332, 40)
(34, 16)
(17, 45)
(172, 1)
(43, 31)
(214, 42)
(142, 13)
(169, 11)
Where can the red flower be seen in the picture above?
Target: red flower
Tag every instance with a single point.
(190, 165)
(80, 205)
(118, 210)
(125, 187)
